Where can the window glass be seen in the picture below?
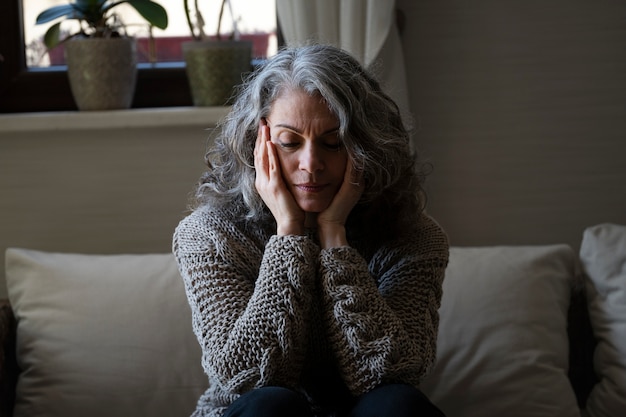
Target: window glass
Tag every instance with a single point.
(251, 19)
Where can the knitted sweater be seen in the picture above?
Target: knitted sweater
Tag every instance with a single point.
(277, 310)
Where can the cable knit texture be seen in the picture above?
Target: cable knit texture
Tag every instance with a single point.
(277, 310)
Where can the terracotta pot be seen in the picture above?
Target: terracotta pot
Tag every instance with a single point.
(214, 68)
(102, 72)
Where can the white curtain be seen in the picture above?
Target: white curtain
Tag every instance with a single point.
(365, 28)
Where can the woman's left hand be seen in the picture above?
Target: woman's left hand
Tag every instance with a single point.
(331, 222)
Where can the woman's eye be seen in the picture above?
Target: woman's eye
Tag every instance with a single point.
(332, 142)
(333, 146)
(288, 145)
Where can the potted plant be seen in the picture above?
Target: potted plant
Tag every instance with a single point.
(214, 66)
(101, 58)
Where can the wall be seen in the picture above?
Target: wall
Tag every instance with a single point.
(98, 182)
(521, 108)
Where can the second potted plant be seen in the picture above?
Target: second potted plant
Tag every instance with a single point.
(214, 66)
(101, 58)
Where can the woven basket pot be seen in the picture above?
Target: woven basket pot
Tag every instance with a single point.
(214, 68)
(102, 72)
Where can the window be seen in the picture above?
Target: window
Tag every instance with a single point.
(31, 80)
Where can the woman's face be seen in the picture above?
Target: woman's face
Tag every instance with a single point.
(312, 158)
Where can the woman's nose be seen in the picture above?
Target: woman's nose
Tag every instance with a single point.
(310, 159)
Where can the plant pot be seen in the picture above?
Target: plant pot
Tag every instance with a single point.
(214, 68)
(102, 72)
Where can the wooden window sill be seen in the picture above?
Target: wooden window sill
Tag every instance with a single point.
(113, 119)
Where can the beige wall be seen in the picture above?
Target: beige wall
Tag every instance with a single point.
(105, 190)
(521, 108)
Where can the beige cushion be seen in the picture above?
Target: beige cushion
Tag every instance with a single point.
(502, 345)
(102, 336)
(603, 254)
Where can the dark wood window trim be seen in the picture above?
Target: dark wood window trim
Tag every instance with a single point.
(32, 90)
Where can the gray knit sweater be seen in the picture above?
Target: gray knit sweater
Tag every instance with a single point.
(277, 310)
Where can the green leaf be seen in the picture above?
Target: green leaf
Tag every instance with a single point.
(89, 4)
(54, 13)
(154, 13)
(52, 36)
(90, 9)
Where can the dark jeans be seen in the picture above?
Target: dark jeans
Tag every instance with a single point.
(394, 400)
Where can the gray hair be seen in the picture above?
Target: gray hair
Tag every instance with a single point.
(370, 128)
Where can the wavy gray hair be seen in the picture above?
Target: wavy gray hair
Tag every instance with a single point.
(370, 128)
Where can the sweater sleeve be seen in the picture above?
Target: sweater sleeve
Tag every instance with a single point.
(383, 318)
(249, 305)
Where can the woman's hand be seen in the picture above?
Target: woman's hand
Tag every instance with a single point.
(331, 222)
(271, 187)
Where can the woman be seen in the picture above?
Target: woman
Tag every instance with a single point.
(313, 275)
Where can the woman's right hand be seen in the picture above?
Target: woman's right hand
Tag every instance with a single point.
(271, 186)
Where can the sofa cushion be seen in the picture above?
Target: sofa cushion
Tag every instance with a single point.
(503, 344)
(102, 335)
(603, 254)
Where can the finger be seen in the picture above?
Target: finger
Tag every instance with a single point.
(257, 144)
(353, 183)
(262, 134)
(353, 175)
(261, 163)
(274, 164)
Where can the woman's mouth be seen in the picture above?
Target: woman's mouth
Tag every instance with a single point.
(310, 188)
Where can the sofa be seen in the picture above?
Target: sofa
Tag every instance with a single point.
(524, 331)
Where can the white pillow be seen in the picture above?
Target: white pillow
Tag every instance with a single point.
(102, 335)
(502, 345)
(603, 254)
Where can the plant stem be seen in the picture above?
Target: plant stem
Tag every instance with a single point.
(188, 15)
(219, 21)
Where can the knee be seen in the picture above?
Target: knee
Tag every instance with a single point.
(397, 400)
(269, 402)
